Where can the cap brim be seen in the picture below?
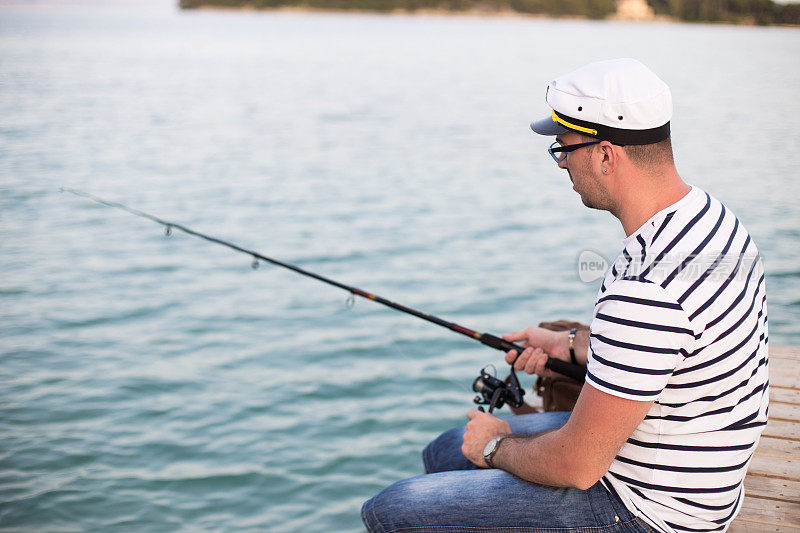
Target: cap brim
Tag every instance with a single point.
(547, 126)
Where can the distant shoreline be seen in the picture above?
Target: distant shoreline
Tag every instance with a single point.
(483, 11)
(473, 12)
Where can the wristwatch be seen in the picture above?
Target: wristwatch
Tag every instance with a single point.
(491, 449)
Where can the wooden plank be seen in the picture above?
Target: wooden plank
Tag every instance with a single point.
(772, 489)
(749, 525)
(778, 447)
(784, 352)
(782, 430)
(784, 395)
(784, 372)
(771, 512)
(777, 467)
(784, 411)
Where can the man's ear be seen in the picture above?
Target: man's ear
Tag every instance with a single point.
(609, 157)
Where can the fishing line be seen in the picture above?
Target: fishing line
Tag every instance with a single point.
(573, 371)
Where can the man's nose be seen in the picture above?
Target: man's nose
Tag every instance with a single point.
(563, 163)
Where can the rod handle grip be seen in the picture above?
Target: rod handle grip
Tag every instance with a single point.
(576, 372)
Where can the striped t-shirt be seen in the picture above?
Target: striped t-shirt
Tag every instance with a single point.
(681, 318)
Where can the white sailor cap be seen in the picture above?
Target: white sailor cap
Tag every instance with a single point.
(620, 101)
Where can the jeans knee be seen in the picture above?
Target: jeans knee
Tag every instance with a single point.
(409, 504)
(444, 453)
(368, 517)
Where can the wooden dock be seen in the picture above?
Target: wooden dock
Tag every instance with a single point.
(772, 485)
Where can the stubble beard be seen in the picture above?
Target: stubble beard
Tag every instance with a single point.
(594, 196)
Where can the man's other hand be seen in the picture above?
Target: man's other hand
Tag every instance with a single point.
(539, 344)
(481, 428)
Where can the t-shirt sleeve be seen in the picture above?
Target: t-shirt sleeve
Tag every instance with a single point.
(639, 335)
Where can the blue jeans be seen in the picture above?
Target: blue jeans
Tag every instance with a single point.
(455, 496)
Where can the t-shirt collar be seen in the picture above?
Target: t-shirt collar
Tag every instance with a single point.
(646, 231)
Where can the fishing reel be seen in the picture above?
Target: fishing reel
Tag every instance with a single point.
(495, 392)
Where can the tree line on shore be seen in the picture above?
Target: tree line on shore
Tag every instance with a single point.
(731, 11)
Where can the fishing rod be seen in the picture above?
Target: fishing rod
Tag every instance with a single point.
(490, 387)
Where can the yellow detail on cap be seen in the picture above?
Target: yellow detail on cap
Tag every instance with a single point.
(563, 122)
(477, 335)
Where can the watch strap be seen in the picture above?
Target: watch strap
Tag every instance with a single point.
(572, 357)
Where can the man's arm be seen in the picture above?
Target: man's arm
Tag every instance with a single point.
(576, 455)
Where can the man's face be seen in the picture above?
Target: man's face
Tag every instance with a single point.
(584, 172)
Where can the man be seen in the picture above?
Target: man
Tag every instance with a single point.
(676, 389)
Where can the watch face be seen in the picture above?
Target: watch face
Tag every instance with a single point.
(490, 446)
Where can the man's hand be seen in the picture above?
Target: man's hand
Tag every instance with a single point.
(599, 426)
(481, 428)
(540, 344)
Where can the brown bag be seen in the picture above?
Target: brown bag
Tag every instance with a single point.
(558, 393)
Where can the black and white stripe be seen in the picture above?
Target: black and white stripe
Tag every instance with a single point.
(684, 323)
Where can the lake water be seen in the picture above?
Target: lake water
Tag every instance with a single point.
(160, 384)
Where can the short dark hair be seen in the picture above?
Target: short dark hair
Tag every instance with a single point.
(647, 155)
